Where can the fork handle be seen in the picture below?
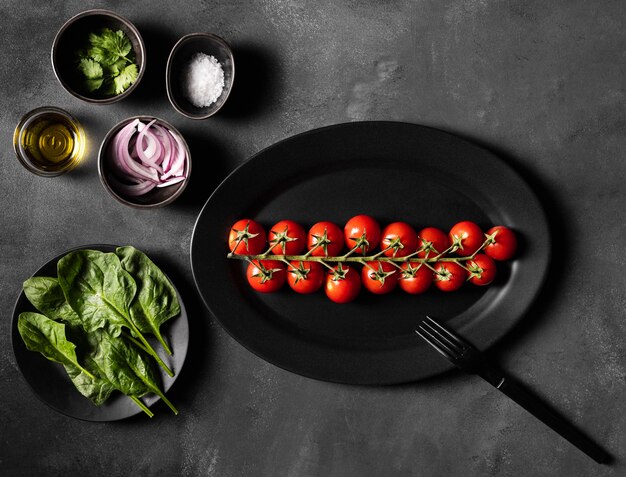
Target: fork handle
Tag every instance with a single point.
(534, 405)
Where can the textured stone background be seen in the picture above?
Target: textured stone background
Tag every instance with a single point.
(541, 83)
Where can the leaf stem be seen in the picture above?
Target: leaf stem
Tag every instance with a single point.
(152, 352)
(143, 407)
(84, 371)
(148, 348)
(167, 401)
(137, 343)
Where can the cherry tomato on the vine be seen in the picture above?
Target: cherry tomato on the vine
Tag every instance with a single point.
(449, 276)
(305, 277)
(379, 277)
(325, 239)
(266, 276)
(362, 232)
(287, 238)
(433, 241)
(482, 269)
(415, 278)
(343, 284)
(503, 243)
(467, 237)
(400, 239)
(246, 237)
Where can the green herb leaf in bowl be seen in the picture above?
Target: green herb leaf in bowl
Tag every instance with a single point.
(125, 78)
(107, 64)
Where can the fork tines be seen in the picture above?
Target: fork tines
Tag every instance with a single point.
(444, 341)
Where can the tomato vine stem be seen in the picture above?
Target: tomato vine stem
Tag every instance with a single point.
(357, 259)
(412, 258)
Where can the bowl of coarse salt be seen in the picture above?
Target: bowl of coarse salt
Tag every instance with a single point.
(199, 75)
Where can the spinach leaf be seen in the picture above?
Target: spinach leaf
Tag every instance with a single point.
(156, 300)
(100, 291)
(97, 388)
(46, 295)
(97, 289)
(128, 369)
(87, 308)
(46, 336)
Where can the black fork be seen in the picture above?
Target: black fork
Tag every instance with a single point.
(469, 359)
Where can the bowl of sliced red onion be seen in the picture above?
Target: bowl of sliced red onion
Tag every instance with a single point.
(144, 162)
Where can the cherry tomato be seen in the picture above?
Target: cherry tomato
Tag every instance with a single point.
(400, 238)
(364, 231)
(433, 241)
(287, 238)
(246, 237)
(325, 239)
(503, 243)
(379, 277)
(266, 276)
(343, 284)
(482, 269)
(415, 278)
(449, 276)
(467, 237)
(305, 277)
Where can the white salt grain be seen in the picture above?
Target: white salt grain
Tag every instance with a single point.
(203, 80)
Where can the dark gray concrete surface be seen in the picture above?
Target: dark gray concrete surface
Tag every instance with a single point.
(541, 83)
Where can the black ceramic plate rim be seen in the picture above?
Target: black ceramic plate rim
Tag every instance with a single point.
(179, 358)
(461, 322)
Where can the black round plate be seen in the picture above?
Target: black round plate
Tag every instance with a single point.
(50, 382)
(391, 171)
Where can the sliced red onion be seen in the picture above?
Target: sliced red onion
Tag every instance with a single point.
(149, 156)
(166, 139)
(133, 190)
(120, 145)
(145, 156)
(131, 166)
(177, 167)
(170, 182)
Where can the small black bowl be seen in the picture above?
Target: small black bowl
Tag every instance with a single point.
(177, 62)
(157, 197)
(77, 29)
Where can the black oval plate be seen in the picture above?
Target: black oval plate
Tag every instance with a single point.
(50, 382)
(392, 171)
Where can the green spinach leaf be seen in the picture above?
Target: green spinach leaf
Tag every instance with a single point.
(84, 312)
(97, 289)
(128, 369)
(46, 336)
(46, 295)
(100, 291)
(97, 388)
(156, 300)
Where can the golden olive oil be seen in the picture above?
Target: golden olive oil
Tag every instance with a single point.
(49, 141)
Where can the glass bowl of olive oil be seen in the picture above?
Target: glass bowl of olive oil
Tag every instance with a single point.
(49, 141)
